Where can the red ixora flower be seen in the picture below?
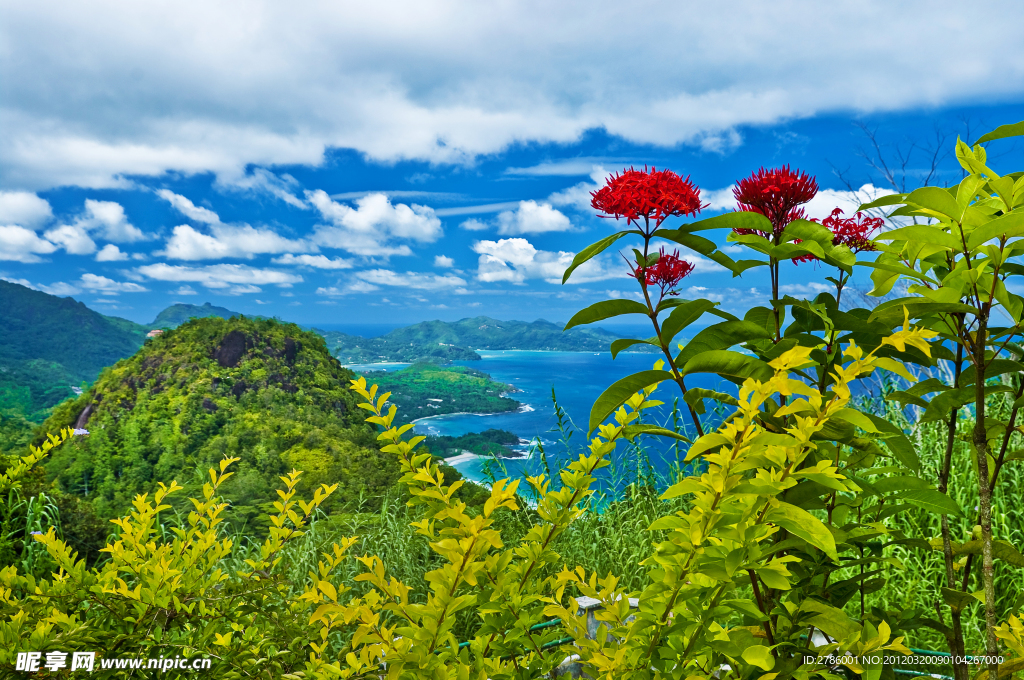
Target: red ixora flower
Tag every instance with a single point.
(666, 273)
(776, 194)
(853, 232)
(652, 195)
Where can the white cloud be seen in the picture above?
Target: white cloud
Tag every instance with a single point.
(264, 181)
(22, 245)
(473, 224)
(218, 276)
(809, 289)
(443, 261)
(101, 284)
(24, 208)
(413, 280)
(719, 199)
(184, 290)
(188, 208)
(374, 225)
(110, 253)
(59, 288)
(447, 82)
(578, 196)
(353, 287)
(317, 261)
(107, 220)
(532, 218)
(826, 200)
(228, 240)
(72, 238)
(243, 289)
(515, 260)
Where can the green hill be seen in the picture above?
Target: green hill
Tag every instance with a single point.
(264, 391)
(427, 390)
(175, 315)
(50, 345)
(456, 341)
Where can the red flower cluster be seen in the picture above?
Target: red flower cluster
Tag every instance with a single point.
(776, 194)
(652, 195)
(853, 232)
(666, 273)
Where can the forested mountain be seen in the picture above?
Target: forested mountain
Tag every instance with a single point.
(442, 340)
(49, 344)
(266, 392)
(175, 315)
(427, 390)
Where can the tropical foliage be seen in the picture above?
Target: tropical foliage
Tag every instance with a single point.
(766, 556)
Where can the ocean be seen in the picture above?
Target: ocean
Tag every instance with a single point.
(577, 379)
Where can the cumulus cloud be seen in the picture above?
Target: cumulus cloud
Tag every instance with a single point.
(229, 240)
(443, 261)
(412, 280)
(23, 245)
(316, 261)
(59, 288)
(72, 238)
(473, 224)
(374, 227)
(188, 208)
(578, 196)
(259, 180)
(218, 276)
(349, 288)
(514, 260)
(532, 218)
(184, 290)
(822, 205)
(24, 208)
(445, 83)
(101, 284)
(110, 253)
(809, 289)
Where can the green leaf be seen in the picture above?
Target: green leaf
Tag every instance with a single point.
(896, 439)
(924, 233)
(883, 201)
(729, 220)
(1003, 131)
(605, 310)
(730, 365)
(799, 522)
(623, 343)
(721, 336)
(620, 391)
(631, 431)
(932, 501)
(695, 397)
(936, 200)
(682, 316)
(957, 600)
(1007, 226)
(760, 656)
(830, 620)
(593, 250)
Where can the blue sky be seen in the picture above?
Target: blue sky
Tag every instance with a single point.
(343, 164)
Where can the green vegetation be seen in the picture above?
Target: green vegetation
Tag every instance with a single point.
(175, 315)
(49, 345)
(441, 341)
(487, 443)
(353, 349)
(265, 392)
(424, 389)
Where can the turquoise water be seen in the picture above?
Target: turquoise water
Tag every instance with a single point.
(577, 378)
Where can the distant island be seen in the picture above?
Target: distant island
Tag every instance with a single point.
(457, 340)
(424, 389)
(180, 313)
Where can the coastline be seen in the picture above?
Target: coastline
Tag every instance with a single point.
(522, 408)
(546, 351)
